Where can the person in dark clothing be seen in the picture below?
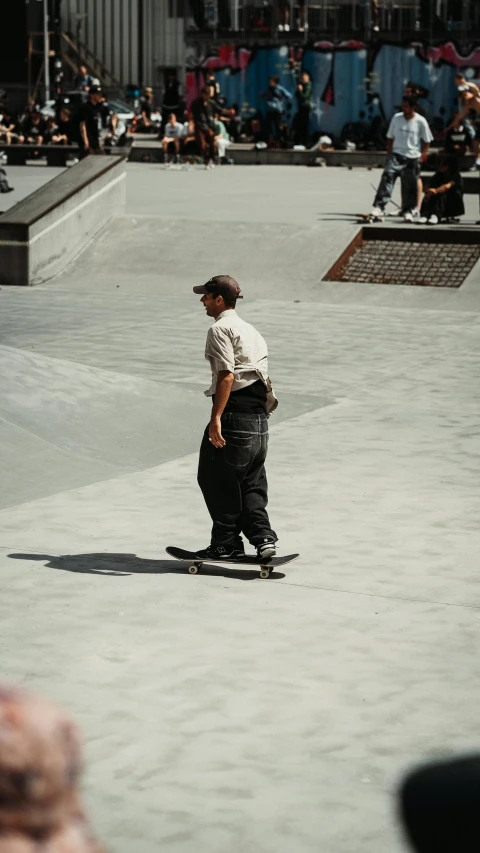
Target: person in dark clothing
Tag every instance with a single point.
(87, 124)
(457, 140)
(103, 111)
(83, 80)
(275, 96)
(172, 99)
(216, 97)
(197, 8)
(444, 196)
(51, 129)
(234, 125)
(303, 97)
(145, 111)
(34, 128)
(203, 114)
(224, 16)
(210, 81)
(64, 133)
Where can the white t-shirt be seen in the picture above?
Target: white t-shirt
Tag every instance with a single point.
(173, 131)
(409, 134)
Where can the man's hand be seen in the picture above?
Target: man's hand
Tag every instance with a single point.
(215, 433)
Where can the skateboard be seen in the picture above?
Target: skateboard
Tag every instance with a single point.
(266, 564)
(367, 217)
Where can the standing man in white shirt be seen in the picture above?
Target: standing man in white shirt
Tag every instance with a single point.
(408, 141)
(231, 469)
(173, 133)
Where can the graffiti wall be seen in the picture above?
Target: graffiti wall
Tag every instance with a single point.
(348, 78)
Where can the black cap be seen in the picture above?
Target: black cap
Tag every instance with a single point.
(224, 285)
(95, 90)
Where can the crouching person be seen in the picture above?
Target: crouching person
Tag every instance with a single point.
(443, 199)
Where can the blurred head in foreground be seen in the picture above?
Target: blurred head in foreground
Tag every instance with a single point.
(40, 766)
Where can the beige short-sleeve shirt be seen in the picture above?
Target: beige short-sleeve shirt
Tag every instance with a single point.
(236, 346)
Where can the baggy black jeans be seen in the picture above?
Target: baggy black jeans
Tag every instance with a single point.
(234, 482)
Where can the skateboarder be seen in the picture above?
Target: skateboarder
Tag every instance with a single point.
(231, 470)
(408, 141)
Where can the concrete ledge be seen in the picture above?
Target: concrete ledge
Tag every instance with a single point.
(55, 155)
(45, 231)
(289, 157)
(247, 155)
(150, 151)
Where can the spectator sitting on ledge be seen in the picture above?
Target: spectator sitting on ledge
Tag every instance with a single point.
(221, 137)
(443, 199)
(34, 128)
(458, 140)
(63, 136)
(189, 143)
(8, 129)
(173, 134)
(116, 132)
(51, 129)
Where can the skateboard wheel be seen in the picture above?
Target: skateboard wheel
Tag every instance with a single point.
(193, 570)
(264, 573)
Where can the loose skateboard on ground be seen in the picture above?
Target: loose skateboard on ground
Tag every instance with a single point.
(266, 564)
(368, 217)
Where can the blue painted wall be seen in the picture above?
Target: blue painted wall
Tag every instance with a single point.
(352, 88)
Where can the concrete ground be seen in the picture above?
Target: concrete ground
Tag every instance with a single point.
(25, 180)
(222, 712)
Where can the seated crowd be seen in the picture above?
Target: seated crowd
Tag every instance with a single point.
(202, 134)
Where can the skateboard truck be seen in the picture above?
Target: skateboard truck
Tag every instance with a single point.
(264, 570)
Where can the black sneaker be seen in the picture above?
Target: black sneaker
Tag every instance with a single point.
(221, 552)
(266, 550)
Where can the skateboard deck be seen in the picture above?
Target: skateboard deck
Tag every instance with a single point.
(367, 217)
(266, 564)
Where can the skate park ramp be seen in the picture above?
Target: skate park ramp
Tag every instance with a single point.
(221, 711)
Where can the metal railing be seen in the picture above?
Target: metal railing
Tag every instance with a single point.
(75, 51)
(334, 18)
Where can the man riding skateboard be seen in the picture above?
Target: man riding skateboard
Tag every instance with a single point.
(231, 469)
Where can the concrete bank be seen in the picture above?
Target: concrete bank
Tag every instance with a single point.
(42, 233)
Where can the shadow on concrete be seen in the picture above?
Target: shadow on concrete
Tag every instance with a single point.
(124, 565)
